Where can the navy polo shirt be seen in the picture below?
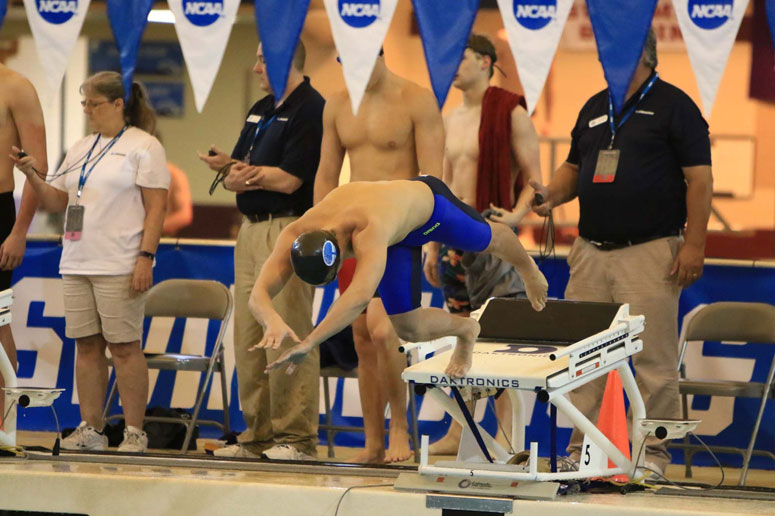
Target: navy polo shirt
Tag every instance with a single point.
(290, 139)
(647, 198)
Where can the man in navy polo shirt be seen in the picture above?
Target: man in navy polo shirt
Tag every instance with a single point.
(644, 183)
(272, 171)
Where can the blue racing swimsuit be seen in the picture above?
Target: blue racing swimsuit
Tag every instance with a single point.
(452, 223)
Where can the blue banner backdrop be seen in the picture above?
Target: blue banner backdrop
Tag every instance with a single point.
(128, 19)
(444, 32)
(47, 357)
(620, 31)
(279, 24)
(3, 9)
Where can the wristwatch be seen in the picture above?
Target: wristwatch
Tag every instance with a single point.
(146, 254)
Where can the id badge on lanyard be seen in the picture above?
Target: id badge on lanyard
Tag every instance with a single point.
(607, 163)
(608, 159)
(74, 222)
(75, 212)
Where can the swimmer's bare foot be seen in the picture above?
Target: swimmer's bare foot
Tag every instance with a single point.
(398, 449)
(369, 457)
(460, 362)
(536, 288)
(447, 445)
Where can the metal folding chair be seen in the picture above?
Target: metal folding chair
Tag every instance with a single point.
(728, 322)
(188, 298)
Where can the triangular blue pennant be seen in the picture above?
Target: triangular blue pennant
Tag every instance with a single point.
(279, 25)
(128, 19)
(620, 31)
(3, 9)
(771, 19)
(444, 32)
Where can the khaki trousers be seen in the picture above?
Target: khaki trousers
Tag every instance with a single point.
(637, 275)
(278, 408)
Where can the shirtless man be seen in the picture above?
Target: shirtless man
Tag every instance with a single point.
(397, 133)
(21, 125)
(461, 157)
(384, 225)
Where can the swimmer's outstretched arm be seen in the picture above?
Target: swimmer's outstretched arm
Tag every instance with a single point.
(368, 272)
(273, 276)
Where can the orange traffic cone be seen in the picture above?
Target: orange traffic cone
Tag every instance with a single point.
(612, 421)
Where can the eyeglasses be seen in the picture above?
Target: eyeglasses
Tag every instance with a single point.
(91, 105)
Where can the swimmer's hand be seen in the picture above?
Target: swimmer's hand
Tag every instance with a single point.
(496, 214)
(291, 358)
(431, 264)
(274, 333)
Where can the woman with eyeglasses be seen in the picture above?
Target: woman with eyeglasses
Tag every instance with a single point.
(112, 186)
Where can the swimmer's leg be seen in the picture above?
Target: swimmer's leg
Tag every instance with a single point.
(424, 324)
(391, 363)
(505, 245)
(400, 290)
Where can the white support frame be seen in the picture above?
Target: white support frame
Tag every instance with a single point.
(8, 430)
(588, 359)
(558, 399)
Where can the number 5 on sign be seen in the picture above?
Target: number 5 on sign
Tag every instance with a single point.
(592, 457)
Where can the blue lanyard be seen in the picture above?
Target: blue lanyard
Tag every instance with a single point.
(85, 175)
(261, 127)
(628, 113)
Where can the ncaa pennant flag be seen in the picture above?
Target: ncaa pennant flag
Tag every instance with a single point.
(709, 28)
(444, 31)
(534, 28)
(359, 28)
(203, 28)
(55, 25)
(620, 32)
(279, 25)
(128, 19)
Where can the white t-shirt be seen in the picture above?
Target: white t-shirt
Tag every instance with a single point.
(114, 214)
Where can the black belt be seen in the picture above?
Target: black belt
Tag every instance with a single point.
(261, 217)
(607, 245)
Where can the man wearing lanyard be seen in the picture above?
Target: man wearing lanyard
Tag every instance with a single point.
(644, 183)
(273, 171)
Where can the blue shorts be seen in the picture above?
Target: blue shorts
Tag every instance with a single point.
(452, 223)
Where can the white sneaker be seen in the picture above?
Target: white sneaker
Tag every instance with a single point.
(135, 440)
(85, 437)
(286, 452)
(236, 450)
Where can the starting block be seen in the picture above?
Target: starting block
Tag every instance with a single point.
(8, 428)
(550, 353)
(14, 395)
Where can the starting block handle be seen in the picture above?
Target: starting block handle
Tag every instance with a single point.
(427, 347)
(6, 299)
(579, 346)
